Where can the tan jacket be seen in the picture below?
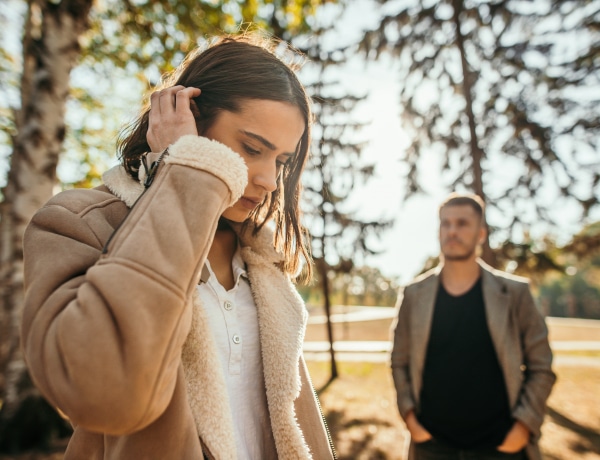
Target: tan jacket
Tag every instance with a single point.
(518, 332)
(113, 330)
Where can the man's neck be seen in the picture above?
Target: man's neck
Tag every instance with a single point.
(458, 276)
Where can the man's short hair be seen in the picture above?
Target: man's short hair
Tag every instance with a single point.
(464, 199)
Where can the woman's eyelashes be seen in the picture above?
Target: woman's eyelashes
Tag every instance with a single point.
(281, 162)
(250, 150)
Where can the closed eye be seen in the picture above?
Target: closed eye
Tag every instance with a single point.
(250, 150)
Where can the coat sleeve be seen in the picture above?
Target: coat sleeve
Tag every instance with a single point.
(102, 331)
(537, 359)
(400, 359)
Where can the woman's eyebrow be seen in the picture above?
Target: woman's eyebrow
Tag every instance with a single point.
(260, 139)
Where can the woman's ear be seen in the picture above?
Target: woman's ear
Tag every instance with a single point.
(197, 116)
(194, 109)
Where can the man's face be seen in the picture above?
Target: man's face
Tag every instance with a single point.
(461, 231)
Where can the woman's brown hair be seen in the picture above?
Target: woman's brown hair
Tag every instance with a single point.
(229, 70)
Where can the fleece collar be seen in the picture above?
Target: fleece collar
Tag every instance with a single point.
(281, 317)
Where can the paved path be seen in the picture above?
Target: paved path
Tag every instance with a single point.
(378, 351)
(355, 314)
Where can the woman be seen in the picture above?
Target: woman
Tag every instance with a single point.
(159, 312)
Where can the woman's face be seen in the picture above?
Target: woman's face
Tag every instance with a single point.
(265, 134)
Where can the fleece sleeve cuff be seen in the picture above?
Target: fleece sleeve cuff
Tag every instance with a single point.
(213, 157)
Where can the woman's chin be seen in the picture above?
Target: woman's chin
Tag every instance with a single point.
(234, 214)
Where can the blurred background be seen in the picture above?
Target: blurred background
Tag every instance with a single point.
(412, 100)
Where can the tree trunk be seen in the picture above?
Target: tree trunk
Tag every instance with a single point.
(50, 50)
(476, 152)
(323, 269)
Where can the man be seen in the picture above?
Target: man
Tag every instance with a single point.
(471, 360)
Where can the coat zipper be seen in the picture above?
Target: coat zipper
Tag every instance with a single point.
(329, 438)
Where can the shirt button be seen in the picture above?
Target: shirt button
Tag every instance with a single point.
(228, 305)
(236, 339)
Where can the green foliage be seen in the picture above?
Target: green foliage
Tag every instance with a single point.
(566, 279)
(158, 33)
(530, 69)
(130, 44)
(575, 292)
(531, 258)
(586, 243)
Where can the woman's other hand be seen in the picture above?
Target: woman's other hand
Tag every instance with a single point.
(171, 116)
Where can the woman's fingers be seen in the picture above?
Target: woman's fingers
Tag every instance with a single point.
(167, 99)
(183, 100)
(176, 98)
(170, 116)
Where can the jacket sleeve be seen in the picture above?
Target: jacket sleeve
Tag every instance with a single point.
(400, 359)
(102, 331)
(537, 359)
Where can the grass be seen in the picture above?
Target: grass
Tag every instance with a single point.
(361, 411)
(360, 408)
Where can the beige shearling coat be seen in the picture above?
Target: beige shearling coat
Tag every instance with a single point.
(113, 331)
(518, 332)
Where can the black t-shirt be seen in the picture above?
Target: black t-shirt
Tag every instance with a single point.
(464, 401)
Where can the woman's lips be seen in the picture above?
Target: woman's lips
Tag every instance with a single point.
(249, 203)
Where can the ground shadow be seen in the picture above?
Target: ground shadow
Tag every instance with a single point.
(338, 422)
(590, 441)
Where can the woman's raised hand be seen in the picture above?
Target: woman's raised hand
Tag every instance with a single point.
(171, 116)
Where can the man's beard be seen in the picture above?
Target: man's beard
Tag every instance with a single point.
(460, 257)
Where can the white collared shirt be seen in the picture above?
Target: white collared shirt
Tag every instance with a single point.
(233, 319)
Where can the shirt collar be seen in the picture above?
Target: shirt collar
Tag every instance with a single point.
(237, 264)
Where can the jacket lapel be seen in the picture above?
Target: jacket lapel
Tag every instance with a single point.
(205, 384)
(421, 319)
(497, 300)
(281, 320)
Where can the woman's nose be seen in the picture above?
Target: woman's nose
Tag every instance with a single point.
(265, 176)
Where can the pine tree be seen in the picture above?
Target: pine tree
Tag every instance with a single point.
(340, 238)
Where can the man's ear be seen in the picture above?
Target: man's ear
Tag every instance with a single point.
(482, 233)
